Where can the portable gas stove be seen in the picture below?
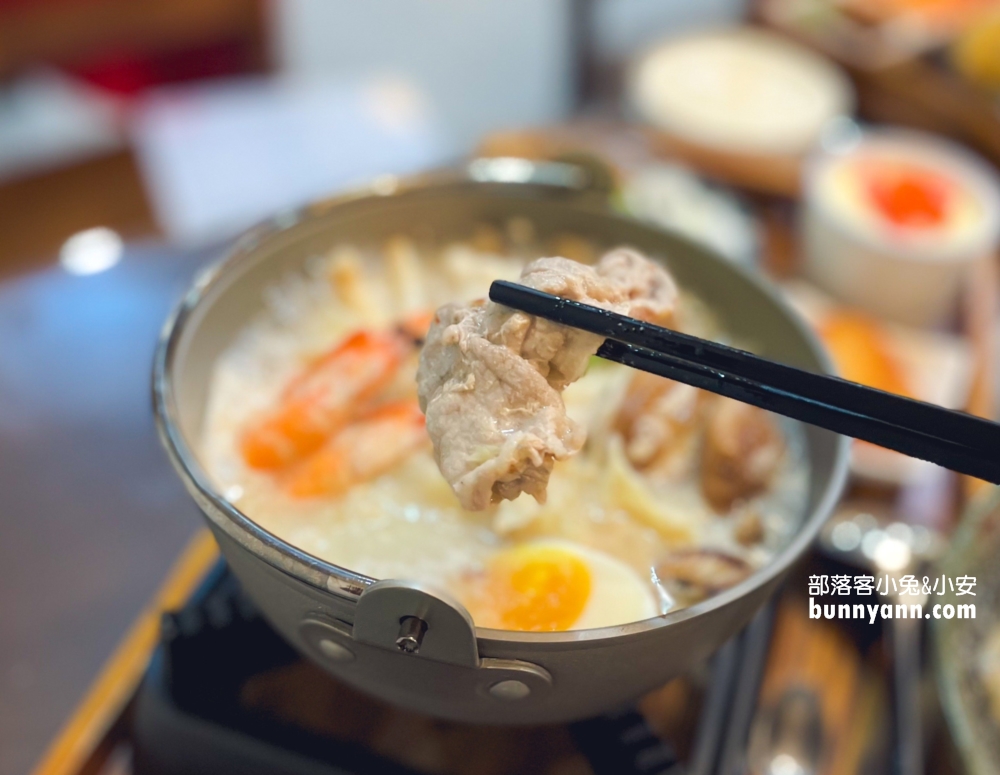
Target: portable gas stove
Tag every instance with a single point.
(224, 694)
(209, 687)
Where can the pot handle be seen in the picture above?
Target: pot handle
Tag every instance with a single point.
(419, 647)
(580, 174)
(413, 619)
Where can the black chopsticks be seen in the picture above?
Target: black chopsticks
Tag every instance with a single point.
(955, 440)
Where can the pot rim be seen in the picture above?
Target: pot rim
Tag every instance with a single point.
(333, 579)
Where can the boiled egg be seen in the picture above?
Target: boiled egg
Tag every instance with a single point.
(551, 585)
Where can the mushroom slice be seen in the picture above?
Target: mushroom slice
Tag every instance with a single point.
(691, 575)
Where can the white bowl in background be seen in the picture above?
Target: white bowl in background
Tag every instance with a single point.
(910, 276)
(743, 104)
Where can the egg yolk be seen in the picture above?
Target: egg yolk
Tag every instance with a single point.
(908, 196)
(533, 589)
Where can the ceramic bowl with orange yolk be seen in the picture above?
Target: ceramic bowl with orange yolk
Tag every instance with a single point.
(553, 585)
(893, 221)
(902, 200)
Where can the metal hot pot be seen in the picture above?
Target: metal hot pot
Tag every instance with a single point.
(407, 643)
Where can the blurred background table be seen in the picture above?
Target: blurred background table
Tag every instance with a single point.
(92, 513)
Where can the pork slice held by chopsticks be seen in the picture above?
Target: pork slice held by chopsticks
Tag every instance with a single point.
(490, 378)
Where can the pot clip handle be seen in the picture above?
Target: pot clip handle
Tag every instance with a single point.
(411, 618)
